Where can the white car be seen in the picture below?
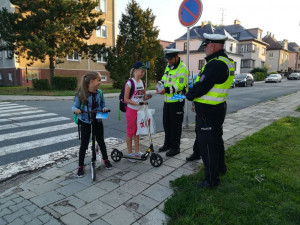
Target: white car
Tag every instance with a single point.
(274, 78)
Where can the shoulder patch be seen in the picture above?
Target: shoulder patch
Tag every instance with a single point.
(202, 78)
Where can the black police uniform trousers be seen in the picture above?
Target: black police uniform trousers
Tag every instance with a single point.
(209, 131)
(172, 122)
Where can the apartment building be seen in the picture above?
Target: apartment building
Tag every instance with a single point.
(277, 54)
(197, 53)
(12, 70)
(294, 58)
(250, 45)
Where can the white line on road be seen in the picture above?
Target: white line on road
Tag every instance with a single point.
(30, 123)
(17, 110)
(38, 143)
(2, 108)
(20, 113)
(14, 135)
(27, 117)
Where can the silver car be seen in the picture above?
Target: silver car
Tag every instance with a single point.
(273, 78)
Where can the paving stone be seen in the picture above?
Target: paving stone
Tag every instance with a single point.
(5, 211)
(27, 218)
(53, 222)
(173, 162)
(99, 222)
(116, 198)
(108, 185)
(180, 172)
(5, 199)
(11, 217)
(31, 208)
(2, 221)
(141, 204)
(140, 167)
(47, 198)
(166, 181)
(163, 170)
(90, 194)
(149, 177)
(52, 212)
(75, 202)
(17, 221)
(52, 173)
(70, 189)
(44, 218)
(74, 219)
(62, 207)
(42, 188)
(126, 175)
(18, 200)
(20, 205)
(154, 217)
(35, 221)
(70, 167)
(125, 216)
(134, 187)
(158, 192)
(27, 194)
(123, 164)
(94, 210)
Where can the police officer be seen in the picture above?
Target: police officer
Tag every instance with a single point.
(209, 95)
(174, 81)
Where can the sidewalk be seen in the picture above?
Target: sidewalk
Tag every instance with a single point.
(130, 193)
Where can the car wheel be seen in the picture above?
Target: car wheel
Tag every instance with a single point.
(245, 85)
(252, 83)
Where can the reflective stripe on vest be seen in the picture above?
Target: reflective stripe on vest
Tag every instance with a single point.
(219, 92)
(169, 80)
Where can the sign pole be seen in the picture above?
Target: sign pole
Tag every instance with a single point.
(188, 66)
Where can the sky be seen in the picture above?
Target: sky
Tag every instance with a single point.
(281, 18)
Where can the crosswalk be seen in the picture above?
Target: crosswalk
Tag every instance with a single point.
(28, 131)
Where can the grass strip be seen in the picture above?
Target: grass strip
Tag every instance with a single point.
(261, 186)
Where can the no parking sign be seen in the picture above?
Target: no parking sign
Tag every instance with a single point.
(190, 12)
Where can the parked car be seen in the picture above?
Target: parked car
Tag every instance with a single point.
(273, 78)
(244, 79)
(294, 76)
(233, 84)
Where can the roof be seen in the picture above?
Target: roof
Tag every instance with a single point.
(273, 43)
(239, 32)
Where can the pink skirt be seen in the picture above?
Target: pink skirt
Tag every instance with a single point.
(131, 116)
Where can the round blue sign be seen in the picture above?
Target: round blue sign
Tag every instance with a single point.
(190, 12)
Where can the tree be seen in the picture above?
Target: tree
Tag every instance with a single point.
(137, 41)
(50, 28)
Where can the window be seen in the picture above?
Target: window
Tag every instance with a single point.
(8, 54)
(247, 63)
(101, 57)
(242, 48)
(0, 76)
(262, 65)
(235, 35)
(73, 57)
(10, 76)
(101, 5)
(0, 55)
(201, 64)
(185, 46)
(231, 47)
(259, 35)
(263, 52)
(103, 78)
(102, 32)
(251, 48)
(271, 54)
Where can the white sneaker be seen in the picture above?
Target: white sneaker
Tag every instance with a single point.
(131, 155)
(138, 154)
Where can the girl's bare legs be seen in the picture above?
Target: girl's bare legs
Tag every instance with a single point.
(136, 143)
(129, 144)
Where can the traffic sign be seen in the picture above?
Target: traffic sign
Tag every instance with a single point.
(190, 12)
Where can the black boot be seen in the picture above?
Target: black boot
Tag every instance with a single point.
(193, 157)
(163, 148)
(173, 151)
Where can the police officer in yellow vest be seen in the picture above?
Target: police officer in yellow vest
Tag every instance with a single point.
(174, 81)
(209, 95)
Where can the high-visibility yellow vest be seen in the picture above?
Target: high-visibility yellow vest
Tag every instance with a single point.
(176, 78)
(219, 92)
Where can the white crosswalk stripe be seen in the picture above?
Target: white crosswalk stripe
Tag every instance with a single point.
(35, 122)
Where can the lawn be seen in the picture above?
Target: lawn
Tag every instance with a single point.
(262, 185)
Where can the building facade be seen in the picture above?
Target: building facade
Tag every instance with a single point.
(13, 71)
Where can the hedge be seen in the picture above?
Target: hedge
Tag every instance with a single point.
(41, 84)
(258, 76)
(64, 83)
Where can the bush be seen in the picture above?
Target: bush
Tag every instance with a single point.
(255, 70)
(272, 72)
(64, 83)
(258, 76)
(41, 84)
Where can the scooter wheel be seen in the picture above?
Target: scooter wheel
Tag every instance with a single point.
(156, 160)
(116, 155)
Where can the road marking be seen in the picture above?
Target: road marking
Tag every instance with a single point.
(17, 110)
(20, 113)
(30, 123)
(2, 108)
(38, 143)
(11, 119)
(14, 135)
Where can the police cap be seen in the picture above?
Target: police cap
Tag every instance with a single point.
(170, 53)
(214, 38)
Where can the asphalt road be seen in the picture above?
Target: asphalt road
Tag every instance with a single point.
(239, 98)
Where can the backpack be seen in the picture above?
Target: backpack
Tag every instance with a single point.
(77, 121)
(123, 105)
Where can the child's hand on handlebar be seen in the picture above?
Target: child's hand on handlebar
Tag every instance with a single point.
(105, 110)
(77, 111)
(143, 103)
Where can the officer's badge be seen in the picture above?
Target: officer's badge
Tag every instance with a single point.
(202, 77)
(181, 80)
